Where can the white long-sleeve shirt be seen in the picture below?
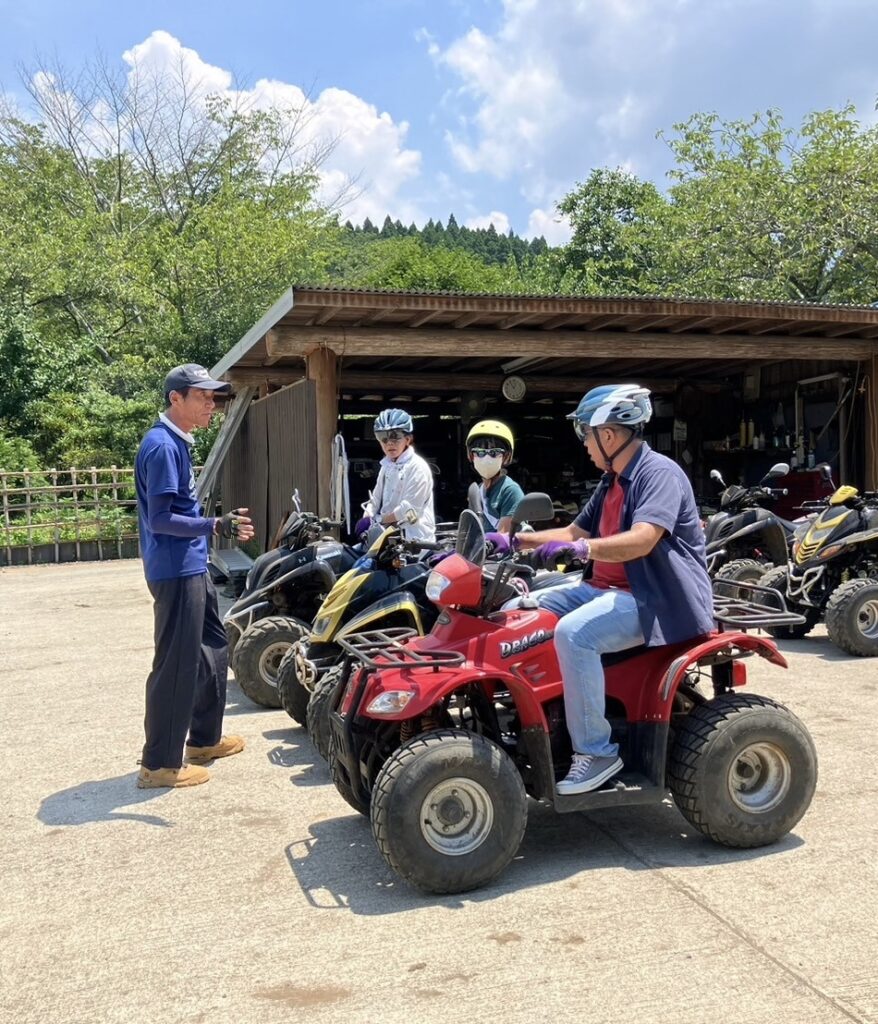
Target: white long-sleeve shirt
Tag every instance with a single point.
(403, 485)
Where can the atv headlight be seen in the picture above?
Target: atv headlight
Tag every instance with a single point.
(321, 625)
(389, 703)
(830, 552)
(436, 583)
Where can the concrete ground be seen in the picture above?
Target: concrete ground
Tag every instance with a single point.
(261, 896)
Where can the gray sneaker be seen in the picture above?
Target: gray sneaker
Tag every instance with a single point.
(588, 773)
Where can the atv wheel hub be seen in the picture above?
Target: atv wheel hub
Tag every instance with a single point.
(270, 661)
(759, 777)
(456, 816)
(867, 619)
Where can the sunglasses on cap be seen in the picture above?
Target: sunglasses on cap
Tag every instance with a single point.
(383, 436)
(491, 453)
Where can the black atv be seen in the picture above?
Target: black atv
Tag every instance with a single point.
(282, 593)
(745, 538)
(383, 587)
(833, 573)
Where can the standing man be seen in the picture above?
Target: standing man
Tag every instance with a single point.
(403, 492)
(646, 580)
(186, 690)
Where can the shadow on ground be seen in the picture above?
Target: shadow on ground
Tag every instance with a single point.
(338, 866)
(101, 800)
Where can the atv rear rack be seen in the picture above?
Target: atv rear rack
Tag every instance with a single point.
(389, 645)
(751, 606)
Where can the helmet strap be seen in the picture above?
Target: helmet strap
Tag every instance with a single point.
(608, 459)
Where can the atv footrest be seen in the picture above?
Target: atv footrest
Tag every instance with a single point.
(625, 788)
(389, 645)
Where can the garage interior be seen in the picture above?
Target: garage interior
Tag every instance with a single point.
(737, 387)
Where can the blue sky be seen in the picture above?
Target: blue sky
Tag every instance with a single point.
(491, 109)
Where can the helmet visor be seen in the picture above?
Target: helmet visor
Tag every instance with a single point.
(390, 435)
(583, 430)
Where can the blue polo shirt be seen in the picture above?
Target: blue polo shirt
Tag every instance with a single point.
(165, 483)
(670, 584)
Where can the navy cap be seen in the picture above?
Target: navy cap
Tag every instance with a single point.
(191, 375)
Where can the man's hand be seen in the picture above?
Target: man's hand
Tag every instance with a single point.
(555, 551)
(498, 544)
(235, 524)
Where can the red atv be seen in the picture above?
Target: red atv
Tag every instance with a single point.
(442, 738)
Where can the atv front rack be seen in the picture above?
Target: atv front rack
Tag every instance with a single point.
(389, 645)
(751, 606)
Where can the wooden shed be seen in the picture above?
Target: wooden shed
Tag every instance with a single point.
(327, 359)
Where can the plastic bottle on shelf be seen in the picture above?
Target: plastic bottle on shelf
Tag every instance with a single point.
(800, 450)
(761, 439)
(742, 433)
(811, 459)
(751, 432)
(754, 442)
(794, 461)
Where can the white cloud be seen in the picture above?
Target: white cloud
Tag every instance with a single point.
(557, 80)
(558, 87)
(551, 225)
(369, 146)
(495, 217)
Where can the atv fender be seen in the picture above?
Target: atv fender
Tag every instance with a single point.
(432, 686)
(722, 642)
(402, 603)
(776, 538)
(317, 569)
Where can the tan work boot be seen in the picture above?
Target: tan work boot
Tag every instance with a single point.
(172, 778)
(227, 746)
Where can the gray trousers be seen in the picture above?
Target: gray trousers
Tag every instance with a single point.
(186, 690)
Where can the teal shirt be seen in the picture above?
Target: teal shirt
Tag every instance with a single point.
(500, 500)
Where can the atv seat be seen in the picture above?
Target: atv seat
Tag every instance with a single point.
(551, 579)
(788, 525)
(614, 657)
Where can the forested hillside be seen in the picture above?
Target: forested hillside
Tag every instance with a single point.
(141, 229)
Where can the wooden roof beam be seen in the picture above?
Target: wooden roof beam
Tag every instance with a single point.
(557, 321)
(376, 316)
(423, 318)
(489, 343)
(514, 321)
(650, 322)
(770, 326)
(466, 320)
(443, 383)
(692, 325)
(324, 315)
(601, 321)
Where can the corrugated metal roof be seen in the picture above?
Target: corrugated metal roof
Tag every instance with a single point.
(582, 297)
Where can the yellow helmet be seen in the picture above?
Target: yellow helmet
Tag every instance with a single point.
(492, 431)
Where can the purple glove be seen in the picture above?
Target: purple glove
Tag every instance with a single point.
(362, 525)
(498, 543)
(555, 551)
(437, 557)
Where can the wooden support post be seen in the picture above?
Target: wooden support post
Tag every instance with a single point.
(871, 448)
(321, 366)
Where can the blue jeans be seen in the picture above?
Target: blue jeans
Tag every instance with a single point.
(591, 622)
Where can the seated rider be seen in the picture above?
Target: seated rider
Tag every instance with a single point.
(489, 447)
(646, 581)
(405, 481)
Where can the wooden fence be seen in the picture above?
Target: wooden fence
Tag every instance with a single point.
(66, 515)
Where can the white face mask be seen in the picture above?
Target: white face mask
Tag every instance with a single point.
(488, 467)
